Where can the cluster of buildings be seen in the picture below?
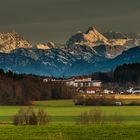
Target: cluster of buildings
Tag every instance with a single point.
(86, 85)
(83, 84)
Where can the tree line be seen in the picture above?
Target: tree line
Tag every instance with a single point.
(22, 89)
(126, 74)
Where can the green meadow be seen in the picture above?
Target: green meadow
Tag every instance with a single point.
(70, 132)
(64, 115)
(64, 111)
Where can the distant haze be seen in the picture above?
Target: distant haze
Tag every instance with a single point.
(57, 20)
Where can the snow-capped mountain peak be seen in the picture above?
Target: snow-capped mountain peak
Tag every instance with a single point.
(11, 41)
(92, 35)
(90, 38)
(82, 54)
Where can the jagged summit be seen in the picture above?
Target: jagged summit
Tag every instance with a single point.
(42, 46)
(12, 40)
(79, 32)
(90, 38)
(92, 35)
(113, 43)
(92, 29)
(47, 46)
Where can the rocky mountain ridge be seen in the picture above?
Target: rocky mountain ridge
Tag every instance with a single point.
(11, 41)
(94, 39)
(83, 53)
(60, 62)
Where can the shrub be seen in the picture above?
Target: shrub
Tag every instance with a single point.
(30, 117)
(95, 100)
(97, 117)
(84, 118)
(42, 117)
(91, 117)
(134, 103)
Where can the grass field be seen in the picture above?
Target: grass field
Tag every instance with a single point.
(64, 111)
(71, 132)
(64, 115)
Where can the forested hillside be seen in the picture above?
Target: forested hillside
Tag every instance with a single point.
(122, 75)
(128, 73)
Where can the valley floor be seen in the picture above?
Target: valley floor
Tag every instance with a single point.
(64, 115)
(64, 111)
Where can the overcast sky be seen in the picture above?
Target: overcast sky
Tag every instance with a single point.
(57, 20)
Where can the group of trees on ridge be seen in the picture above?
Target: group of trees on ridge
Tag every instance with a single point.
(126, 74)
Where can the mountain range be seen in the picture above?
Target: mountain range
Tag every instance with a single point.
(83, 53)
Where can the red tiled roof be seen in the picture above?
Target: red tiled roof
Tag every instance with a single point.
(89, 88)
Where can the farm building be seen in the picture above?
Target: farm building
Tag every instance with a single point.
(77, 82)
(86, 82)
(107, 91)
(89, 90)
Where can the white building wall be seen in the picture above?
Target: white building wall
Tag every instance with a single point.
(90, 92)
(45, 80)
(97, 84)
(83, 80)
